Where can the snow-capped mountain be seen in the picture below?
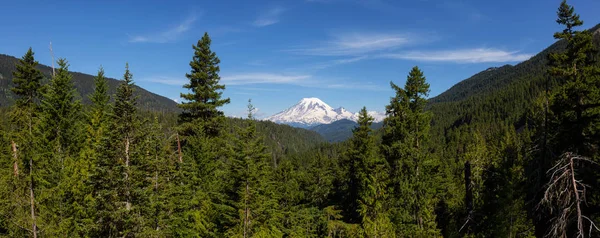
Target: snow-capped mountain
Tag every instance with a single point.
(312, 111)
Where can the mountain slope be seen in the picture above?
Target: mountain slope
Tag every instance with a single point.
(281, 140)
(339, 130)
(492, 79)
(495, 97)
(84, 84)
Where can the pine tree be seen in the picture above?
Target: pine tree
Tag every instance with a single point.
(252, 191)
(204, 147)
(116, 178)
(573, 128)
(404, 145)
(26, 81)
(204, 98)
(84, 171)
(576, 102)
(100, 107)
(60, 112)
(158, 175)
(369, 177)
(58, 135)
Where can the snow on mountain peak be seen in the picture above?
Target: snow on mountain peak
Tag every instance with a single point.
(311, 100)
(312, 111)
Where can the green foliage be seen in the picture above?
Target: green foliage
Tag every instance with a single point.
(27, 81)
(368, 175)
(205, 97)
(404, 146)
(57, 135)
(570, 125)
(252, 192)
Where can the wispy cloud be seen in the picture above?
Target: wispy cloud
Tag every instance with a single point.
(167, 35)
(360, 86)
(478, 55)
(167, 80)
(303, 80)
(269, 17)
(332, 63)
(262, 78)
(358, 44)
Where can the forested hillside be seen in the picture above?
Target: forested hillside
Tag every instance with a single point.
(511, 152)
(84, 85)
(340, 130)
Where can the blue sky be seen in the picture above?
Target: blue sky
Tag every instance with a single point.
(344, 52)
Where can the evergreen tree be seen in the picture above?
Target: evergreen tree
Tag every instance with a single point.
(369, 177)
(404, 145)
(60, 112)
(573, 129)
(204, 98)
(252, 191)
(204, 147)
(116, 186)
(84, 171)
(576, 103)
(58, 135)
(24, 117)
(156, 176)
(27, 82)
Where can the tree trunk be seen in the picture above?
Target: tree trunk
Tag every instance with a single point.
(31, 194)
(577, 199)
(127, 192)
(468, 197)
(179, 149)
(15, 164)
(246, 210)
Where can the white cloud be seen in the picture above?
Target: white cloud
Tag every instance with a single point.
(358, 44)
(328, 64)
(478, 55)
(167, 35)
(269, 17)
(360, 86)
(167, 80)
(261, 78)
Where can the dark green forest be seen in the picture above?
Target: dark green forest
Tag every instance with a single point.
(510, 152)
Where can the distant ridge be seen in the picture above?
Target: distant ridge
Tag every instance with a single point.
(84, 84)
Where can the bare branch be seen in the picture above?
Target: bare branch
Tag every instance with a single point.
(564, 195)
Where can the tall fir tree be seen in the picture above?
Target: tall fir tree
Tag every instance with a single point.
(84, 172)
(24, 118)
(204, 99)
(404, 145)
(252, 191)
(575, 104)
(58, 133)
(369, 176)
(156, 171)
(116, 186)
(204, 146)
(573, 133)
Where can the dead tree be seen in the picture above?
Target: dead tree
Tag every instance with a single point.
(564, 196)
